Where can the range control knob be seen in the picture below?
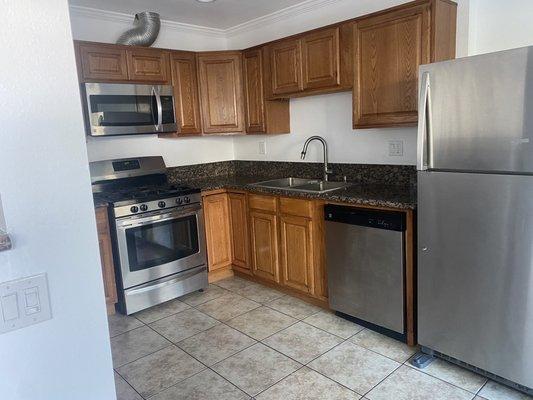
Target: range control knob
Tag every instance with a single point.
(186, 200)
(161, 204)
(179, 201)
(143, 207)
(134, 209)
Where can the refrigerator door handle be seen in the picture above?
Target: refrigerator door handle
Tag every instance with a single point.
(423, 161)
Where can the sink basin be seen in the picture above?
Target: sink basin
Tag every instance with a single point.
(284, 183)
(302, 185)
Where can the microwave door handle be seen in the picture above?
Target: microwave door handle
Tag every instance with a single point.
(159, 108)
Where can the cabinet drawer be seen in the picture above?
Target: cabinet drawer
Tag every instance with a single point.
(264, 203)
(301, 208)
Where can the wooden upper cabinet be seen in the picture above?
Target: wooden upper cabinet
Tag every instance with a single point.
(321, 59)
(286, 68)
(221, 92)
(218, 235)
(186, 102)
(102, 62)
(239, 232)
(264, 239)
(148, 65)
(389, 48)
(253, 90)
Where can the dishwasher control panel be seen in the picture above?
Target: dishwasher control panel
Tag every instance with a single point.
(389, 220)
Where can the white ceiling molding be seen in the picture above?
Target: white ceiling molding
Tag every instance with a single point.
(283, 14)
(112, 16)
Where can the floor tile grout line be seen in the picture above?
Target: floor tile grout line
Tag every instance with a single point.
(274, 384)
(445, 381)
(135, 390)
(381, 381)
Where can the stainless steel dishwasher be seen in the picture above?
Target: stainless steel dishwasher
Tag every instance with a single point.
(366, 267)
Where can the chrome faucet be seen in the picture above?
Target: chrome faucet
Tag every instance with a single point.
(327, 170)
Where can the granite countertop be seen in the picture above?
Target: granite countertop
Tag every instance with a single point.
(393, 196)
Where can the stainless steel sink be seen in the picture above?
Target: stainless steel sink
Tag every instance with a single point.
(302, 185)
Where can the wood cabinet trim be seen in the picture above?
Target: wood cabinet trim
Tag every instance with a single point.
(106, 258)
(186, 93)
(218, 235)
(270, 270)
(368, 90)
(297, 257)
(235, 113)
(238, 211)
(148, 65)
(254, 93)
(332, 77)
(294, 67)
(88, 72)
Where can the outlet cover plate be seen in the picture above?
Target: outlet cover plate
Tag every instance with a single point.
(396, 148)
(24, 302)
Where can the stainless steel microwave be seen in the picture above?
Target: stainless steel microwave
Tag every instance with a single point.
(128, 109)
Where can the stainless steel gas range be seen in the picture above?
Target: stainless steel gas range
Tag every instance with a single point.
(157, 228)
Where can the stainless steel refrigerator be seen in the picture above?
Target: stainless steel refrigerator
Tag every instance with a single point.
(475, 218)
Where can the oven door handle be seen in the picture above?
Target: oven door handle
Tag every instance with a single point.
(150, 286)
(160, 217)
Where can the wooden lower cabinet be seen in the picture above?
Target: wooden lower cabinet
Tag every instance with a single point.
(238, 215)
(296, 250)
(106, 258)
(264, 239)
(218, 235)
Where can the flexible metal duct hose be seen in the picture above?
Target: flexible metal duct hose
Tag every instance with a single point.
(145, 30)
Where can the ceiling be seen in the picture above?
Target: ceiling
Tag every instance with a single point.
(221, 14)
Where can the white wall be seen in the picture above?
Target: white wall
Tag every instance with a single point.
(46, 195)
(331, 115)
(500, 25)
(95, 25)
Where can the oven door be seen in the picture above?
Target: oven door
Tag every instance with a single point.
(126, 109)
(159, 244)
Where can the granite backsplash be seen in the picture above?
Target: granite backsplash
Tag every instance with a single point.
(364, 174)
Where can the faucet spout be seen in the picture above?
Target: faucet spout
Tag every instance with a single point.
(327, 170)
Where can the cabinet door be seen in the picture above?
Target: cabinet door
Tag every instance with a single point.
(388, 50)
(296, 253)
(106, 258)
(221, 92)
(286, 69)
(321, 59)
(239, 231)
(218, 236)
(101, 62)
(186, 104)
(264, 234)
(253, 91)
(148, 65)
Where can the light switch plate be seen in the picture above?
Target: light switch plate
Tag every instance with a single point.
(24, 302)
(262, 147)
(396, 148)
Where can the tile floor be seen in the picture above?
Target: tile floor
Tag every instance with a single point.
(240, 340)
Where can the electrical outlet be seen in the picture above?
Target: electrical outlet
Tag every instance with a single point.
(262, 147)
(396, 148)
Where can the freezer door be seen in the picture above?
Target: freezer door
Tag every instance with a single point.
(475, 270)
(479, 116)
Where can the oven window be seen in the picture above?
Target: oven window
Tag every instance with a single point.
(161, 242)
